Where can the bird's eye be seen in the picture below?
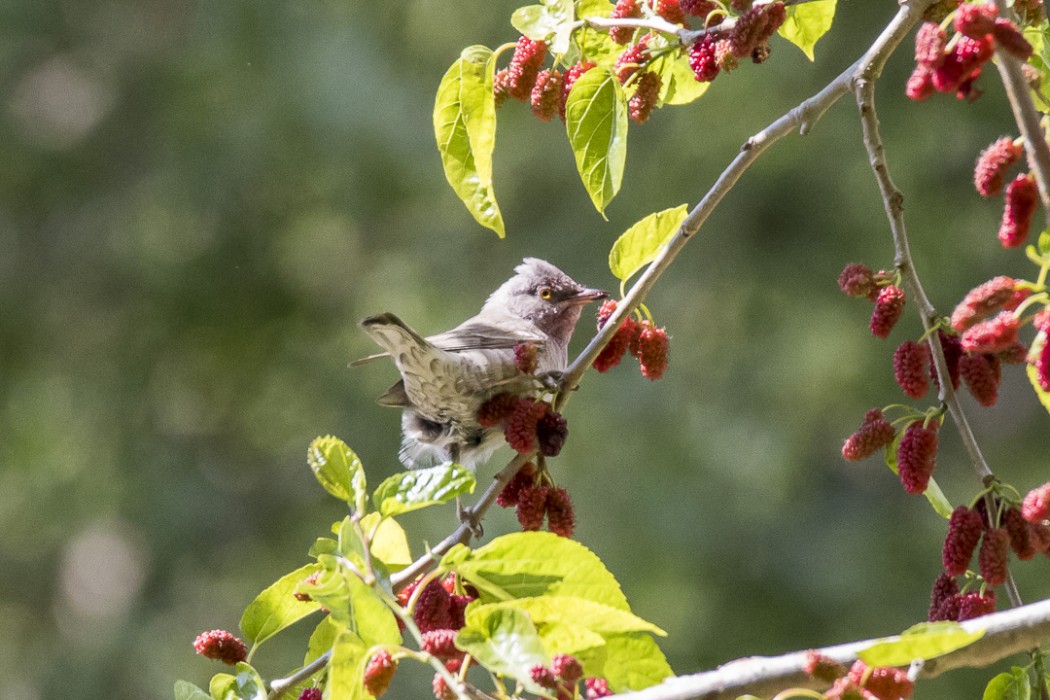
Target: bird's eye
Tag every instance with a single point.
(546, 293)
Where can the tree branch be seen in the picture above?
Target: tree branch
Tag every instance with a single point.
(1005, 634)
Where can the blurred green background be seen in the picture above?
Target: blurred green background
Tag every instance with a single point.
(198, 201)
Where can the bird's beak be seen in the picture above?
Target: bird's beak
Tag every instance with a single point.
(587, 295)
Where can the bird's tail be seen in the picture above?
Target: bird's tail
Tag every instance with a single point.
(393, 335)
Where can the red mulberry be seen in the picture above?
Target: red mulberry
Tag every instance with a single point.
(508, 497)
(959, 66)
(1020, 539)
(1022, 196)
(624, 9)
(551, 431)
(944, 587)
(670, 10)
(1009, 38)
(433, 608)
(524, 67)
(702, 58)
(874, 433)
(1036, 505)
(992, 165)
(881, 682)
(920, 84)
(495, 410)
(441, 643)
(917, 457)
(982, 301)
(379, 672)
(520, 426)
(964, 532)
(597, 688)
(975, 19)
(930, 41)
(951, 347)
(993, 335)
(889, 306)
(857, 280)
(441, 689)
(995, 547)
(567, 668)
(631, 60)
(823, 668)
(546, 98)
(561, 519)
(971, 605)
(911, 363)
(698, 8)
(652, 351)
(612, 353)
(754, 27)
(543, 676)
(643, 101)
(221, 646)
(311, 694)
(532, 506)
(982, 373)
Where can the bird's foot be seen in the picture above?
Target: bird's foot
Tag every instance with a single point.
(466, 517)
(552, 381)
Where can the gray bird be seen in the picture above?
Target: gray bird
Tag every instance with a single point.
(446, 377)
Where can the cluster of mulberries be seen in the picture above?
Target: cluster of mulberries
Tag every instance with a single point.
(625, 9)
(647, 343)
(533, 502)
(528, 425)
(312, 693)
(871, 683)
(917, 456)
(561, 677)
(748, 37)
(519, 78)
(858, 280)
(873, 434)
(944, 65)
(984, 300)
(221, 646)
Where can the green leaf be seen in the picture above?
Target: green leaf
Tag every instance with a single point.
(373, 621)
(503, 641)
(419, 488)
(587, 646)
(1043, 243)
(542, 22)
(927, 640)
(245, 685)
(277, 607)
(640, 244)
(805, 24)
(346, 668)
(633, 662)
(323, 545)
(1008, 686)
(679, 85)
(337, 468)
(596, 121)
(322, 638)
(465, 128)
(1040, 59)
(570, 610)
(528, 564)
(184, 690)
(389, 543)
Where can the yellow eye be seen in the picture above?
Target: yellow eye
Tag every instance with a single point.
(546, 294)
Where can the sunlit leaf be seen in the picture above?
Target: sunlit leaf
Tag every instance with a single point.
(570, 610)
(389, 543)
(346, 668)
(640, 244)
(679, 85)
(277, 607)
(465, 129)
(373, 621)
(1040, 392)
(322, 638)
(245, 685)
(1014, 685)
(550, 21)
(419, 488)
(505, 642)
(807, 23)
(337, 468)
(184, 690)
(634, 661)
(923, 641)
(596, 122)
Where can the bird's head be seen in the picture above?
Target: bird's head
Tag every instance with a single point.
(541, 293)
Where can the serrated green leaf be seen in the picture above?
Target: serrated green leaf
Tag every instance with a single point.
(277, 607)
(640, 244)
(184, 690)
(503, 641)
(465, 129)
(596, 122)
(245, 685)
(389, 543)
(528, 564)
(923, 641)
(346, 669)
(419, 488)
(1008, 686)
(633, 662)
(806, 24)
(337, 468)
(322, 638)
(571, 610)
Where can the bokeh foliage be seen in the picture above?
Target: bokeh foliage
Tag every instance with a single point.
(199, 200)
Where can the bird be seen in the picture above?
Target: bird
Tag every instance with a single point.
(445, 378)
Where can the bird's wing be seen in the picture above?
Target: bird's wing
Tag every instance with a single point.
(489, 334)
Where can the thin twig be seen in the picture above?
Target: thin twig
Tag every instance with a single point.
(281, 686)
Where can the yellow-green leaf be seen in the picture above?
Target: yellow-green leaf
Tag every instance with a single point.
(572, 610)
(1014, 685)
(503, 641)
(927, 640)
(389, 543)
(640, 244)
(679, 85)
(807, 23)
(465, 129)
(245, 685)
(419, 488)
(346, 668)
(184, 690)
(633, 662)
(596, 122)
(277, 607)
(551, 22)
(337, 468)
(322, 638)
